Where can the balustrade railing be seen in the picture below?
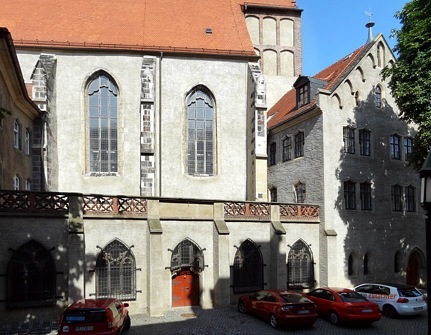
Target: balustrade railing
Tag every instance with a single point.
(59, 203)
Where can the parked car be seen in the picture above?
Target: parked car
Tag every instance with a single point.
(95, 316)
(343, 305)
(394, 299)
(279, 307)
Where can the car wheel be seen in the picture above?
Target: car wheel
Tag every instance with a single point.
(333, 318)
(273, 321)
(127, 323)
(389, 311)
(241, 307)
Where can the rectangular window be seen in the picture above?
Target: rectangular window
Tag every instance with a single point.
(349, 195)
(28, 185)
(287, 149)
(16, 183)
(365, 196)
(17, 135)
(410, 199)
(272, 151)
(365, 142)
(299, 144)
(408, 148)
(27, 141)
(395, 147)
(397, 198)
(303, 97)
(349, 140)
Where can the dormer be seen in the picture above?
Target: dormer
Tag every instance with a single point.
(306, 88)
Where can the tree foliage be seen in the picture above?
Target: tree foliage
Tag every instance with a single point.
(410, 76)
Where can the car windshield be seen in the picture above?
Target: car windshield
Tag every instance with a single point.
(409, 292)
(85, 316)
(293, 298)
(351, 297)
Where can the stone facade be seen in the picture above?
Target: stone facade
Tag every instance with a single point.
(75, 228)
(368, 241)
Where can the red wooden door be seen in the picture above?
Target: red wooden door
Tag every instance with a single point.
(185, 289)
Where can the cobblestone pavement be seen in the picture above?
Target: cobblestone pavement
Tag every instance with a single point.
(228, 321)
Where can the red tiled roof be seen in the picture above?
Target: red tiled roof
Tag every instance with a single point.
(285, 108)
(154, 25)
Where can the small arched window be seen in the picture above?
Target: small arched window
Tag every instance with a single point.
(366, 264)
(397, 262)
(116, 272)
(300, 193)
(378, 97)
(200, 133)
(350, 265)
(102, 104)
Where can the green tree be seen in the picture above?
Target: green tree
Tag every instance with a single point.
(410, 76)
(4, 112)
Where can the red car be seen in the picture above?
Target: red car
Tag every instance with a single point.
(343, 305)
(95, 317)
(279, 307)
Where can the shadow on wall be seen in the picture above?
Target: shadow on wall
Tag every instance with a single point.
(377, 198)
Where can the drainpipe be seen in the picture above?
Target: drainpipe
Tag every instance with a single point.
(160, 124)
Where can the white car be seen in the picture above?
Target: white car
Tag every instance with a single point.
(394, 299)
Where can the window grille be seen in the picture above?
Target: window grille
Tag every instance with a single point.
(287, 148)
(395, 147)
(116, 272)
(349, 140)
(410, 199)
(187, 255)
(17, 130)
(365, 196)
(365, 142)
(350, 195)
(378, 97)
(272, 152)
(300, 193)
(248, 268)
(300, 266)
(102, 94)
(299, 144)
(408, 148)
(200, 133)
(31, 277)
(397, 198)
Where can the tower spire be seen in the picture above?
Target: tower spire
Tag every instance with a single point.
(369, 25)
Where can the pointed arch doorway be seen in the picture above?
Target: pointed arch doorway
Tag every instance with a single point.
(414, 264)
(187, 263)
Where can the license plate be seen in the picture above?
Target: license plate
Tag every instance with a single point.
(303, 311)
(83, 328)
(418, 308)
(366, 310)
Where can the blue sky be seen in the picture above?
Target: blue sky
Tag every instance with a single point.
(332, 29)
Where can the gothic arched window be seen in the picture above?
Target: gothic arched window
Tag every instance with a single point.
(200, 133)
(102, 104)
(31, 277)
(116, 272)
(247, 268)
(187, 255)
(300, 266)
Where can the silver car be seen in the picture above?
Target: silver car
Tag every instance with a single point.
(394, 299)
